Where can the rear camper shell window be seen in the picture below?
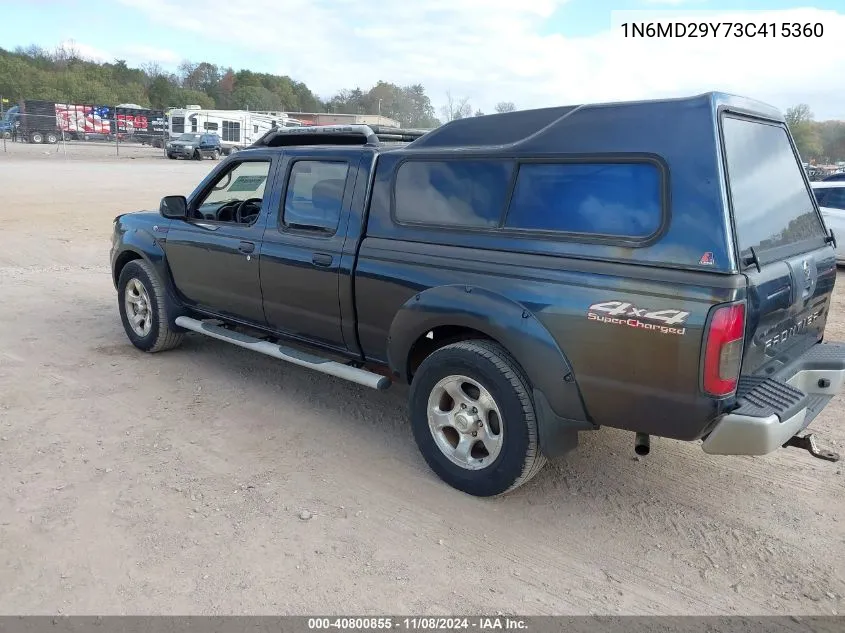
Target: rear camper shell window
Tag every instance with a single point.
(589, 198)
(618, 199)
(773, 209)
(460, 193)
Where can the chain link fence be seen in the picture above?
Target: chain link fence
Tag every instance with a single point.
(43, 127)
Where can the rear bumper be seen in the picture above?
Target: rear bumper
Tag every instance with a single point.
(772, 409)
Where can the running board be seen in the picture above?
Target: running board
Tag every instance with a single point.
(303, 359)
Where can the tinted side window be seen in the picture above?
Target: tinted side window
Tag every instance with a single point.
(619, 199)
(314, 196)
(834, 198)
(820, 195)
(468, 193)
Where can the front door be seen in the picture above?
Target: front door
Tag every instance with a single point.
(302, 246)
(214, 255)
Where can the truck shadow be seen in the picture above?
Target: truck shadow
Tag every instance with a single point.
(603, 465)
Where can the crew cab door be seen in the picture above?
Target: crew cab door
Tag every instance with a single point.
(303, 243)
(781, 243)
(214, 255)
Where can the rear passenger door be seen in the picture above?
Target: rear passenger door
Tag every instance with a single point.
(303, 242)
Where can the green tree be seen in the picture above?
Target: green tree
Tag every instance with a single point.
(799, 119)
(162, 92)
(184, 97)
(225, 88)
(407, 104)
(63, 75)
(255, 98)
(832, 135)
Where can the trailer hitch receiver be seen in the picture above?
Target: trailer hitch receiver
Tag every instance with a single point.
(808, 443)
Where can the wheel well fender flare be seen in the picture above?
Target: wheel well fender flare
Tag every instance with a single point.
(138, 244)
(506, 321)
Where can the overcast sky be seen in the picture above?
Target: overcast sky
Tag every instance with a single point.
(531, 52)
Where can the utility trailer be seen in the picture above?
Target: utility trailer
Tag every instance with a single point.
(142, 125)
(36, 121)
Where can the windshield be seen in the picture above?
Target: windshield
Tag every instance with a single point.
(188, 137)
(771, 204)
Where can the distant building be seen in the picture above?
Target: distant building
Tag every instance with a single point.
(324, 118)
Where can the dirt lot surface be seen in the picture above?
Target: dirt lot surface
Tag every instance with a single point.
(176, 483)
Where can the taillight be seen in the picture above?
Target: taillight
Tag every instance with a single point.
(723, 350)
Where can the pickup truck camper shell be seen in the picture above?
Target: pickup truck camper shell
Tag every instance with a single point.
(656, 266)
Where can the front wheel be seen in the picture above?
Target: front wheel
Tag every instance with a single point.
(473, 418)
(216, 154)
(142, 302)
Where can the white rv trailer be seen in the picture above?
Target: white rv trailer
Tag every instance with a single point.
(236, 128)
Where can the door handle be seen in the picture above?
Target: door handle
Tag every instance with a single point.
(246, 247)
(321, 259)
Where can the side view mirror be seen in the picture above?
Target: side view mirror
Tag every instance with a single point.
(174, 207)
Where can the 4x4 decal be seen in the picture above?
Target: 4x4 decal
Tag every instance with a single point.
(628, 315)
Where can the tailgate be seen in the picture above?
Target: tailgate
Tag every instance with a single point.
(782, 242)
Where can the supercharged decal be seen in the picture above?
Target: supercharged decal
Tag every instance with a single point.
(628, 315)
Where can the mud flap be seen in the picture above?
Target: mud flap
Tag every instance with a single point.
(558, 436)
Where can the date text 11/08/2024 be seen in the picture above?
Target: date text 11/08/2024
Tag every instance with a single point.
(493, 623)
(783, 30)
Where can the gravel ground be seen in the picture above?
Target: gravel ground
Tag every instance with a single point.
(210, 480)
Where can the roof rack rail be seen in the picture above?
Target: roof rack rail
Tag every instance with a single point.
(373, 135)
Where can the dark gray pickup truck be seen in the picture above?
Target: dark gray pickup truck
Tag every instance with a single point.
(658, 266)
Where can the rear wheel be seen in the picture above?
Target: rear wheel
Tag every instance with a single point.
(473, 418)
(52, 138)
(142, 302)
(36, 137)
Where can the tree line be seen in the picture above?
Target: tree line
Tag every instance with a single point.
(820, 142)
(64, 75)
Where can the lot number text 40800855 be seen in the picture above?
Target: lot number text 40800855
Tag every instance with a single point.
(651, 30)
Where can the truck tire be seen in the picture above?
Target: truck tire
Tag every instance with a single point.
(142, 302)
(52, 138)
(473, 418)
(36, 137)
(6, 134)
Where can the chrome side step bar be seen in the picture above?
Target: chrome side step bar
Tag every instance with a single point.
(333, 368)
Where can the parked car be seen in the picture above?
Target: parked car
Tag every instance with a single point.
(837, 177)
(659, 266)
(830, 195)
(196, 146)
